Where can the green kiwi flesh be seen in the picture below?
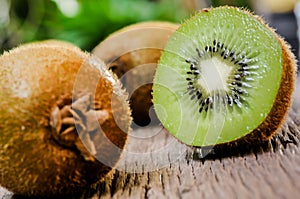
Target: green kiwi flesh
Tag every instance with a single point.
(219, 77)
(43, 86)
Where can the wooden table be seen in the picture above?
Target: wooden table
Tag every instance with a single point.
(156, 165)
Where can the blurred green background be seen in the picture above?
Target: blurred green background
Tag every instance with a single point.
(87, 22)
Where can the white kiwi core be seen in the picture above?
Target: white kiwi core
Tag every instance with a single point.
(214, 75)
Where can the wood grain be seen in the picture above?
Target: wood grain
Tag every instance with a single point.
(156, 165)
(272, 172)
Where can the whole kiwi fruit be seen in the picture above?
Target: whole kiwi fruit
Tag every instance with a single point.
(64, 119)
(224, 77)
(132, 54)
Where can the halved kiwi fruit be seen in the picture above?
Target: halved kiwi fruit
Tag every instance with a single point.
(132, 53)
(64, 119)
(224, 76)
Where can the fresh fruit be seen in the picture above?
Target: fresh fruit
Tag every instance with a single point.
(132, 53)
(224, 76)
(63, 119)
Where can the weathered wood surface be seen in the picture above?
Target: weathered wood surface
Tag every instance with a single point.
(158, 166)
(273, 171)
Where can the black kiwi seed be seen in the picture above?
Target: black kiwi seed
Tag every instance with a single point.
(229, 100)
(215, 49)
(222, 54)
(233, 58)
(193, 67)
(203, 103)
(236, 96)
(239, 84)
(206, 48)
(219, 45)
(237, 76)
(199, 95)
(196, 72)
(201, 109)
(206, 108)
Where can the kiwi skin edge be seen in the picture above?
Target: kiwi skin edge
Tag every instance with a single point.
(32, 162)
(276, 117)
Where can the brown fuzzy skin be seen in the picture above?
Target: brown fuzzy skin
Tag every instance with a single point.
(135, 51)
(280, 108)
(34, 79)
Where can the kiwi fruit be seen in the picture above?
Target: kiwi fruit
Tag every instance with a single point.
(59, 132)
(132, 54)
(224, 76)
